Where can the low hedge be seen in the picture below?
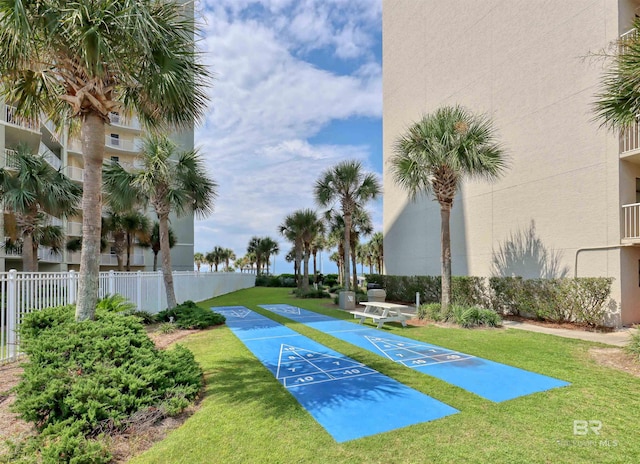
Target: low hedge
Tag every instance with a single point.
(582, 300)
(84, 379)
(464, 316)
(189, 315)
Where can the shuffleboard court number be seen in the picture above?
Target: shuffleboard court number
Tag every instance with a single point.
(351, 371)
(419, 361)
(453, 356)
(308, 378)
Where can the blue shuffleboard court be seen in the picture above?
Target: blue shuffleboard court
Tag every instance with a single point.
(349, 399)
(491, 380)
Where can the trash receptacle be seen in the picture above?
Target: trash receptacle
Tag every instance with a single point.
(373, 286)
(376, 295)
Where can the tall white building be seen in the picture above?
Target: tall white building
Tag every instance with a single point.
(527, 65)
(122, 142)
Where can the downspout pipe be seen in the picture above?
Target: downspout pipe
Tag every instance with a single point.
(606, 247)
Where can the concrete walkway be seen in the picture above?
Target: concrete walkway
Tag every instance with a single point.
(618, 338)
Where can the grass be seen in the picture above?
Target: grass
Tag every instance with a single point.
(247, 416)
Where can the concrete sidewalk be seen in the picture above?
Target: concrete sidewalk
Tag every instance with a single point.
(618, 338)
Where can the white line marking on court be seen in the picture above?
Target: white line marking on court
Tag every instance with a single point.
(275, 336)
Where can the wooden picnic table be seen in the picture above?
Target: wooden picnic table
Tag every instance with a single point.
(381, 312)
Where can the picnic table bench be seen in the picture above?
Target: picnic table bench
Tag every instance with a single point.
(381, 312)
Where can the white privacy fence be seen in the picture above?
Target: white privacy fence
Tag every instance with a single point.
(23, 292)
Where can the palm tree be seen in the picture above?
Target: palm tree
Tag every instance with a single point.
(361, 225)
(436, 154)
(268, 247)
(376, 245)
(618, 103)
(318, 244)
(113, 224)
(290, 257)
(229, 255)
(137, 227)
(347, 184)
(31, 189)
(82, 60)
(216, 256)
(198, 259)
(170, 181)
(301, 228)
(254, 247)
(153, 241)
(291, 230)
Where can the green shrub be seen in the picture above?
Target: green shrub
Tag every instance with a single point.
(189, 315)
(166, 328)
(583, 300)
(473, 316)
(587, 299)
(311, 293)
(115, 303)
(430, 311)
(330, 280)
(505, 294)
(633, 347)
(80, 375)
(336, 289)
(145, 317)
(63, 442)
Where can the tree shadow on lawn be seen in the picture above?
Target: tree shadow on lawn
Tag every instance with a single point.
(238, 381)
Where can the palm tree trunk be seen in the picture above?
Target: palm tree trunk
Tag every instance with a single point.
(92, 136)
(315, 266)
(305, 277)
(27, 253)
(347, 248)
(128, 252)
(298, 246)
(445, 240)
(355, 268)
(155, 262)
(165, 249)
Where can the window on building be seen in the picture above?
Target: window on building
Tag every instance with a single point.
(115, 140)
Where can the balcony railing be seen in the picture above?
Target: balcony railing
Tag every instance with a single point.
(51, 127)
(631, 217)
(74, 173)
(45, 254)
(630, 139)
(10, 116)
(74, 229)
(121, 144)
(50, 157)
(107, 259)
(8, 159)
(119, 120)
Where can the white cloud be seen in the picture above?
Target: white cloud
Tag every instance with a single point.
(267, 102)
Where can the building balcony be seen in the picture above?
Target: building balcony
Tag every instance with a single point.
(74, 173)
(114, 143)
(107, 259)
(124, 122)
(45, 254)
(50, 157)
(631, 223)
(9, 115)
(8, 159)
(74, 229)
(133, 146)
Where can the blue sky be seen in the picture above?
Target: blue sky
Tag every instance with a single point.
(298, 88)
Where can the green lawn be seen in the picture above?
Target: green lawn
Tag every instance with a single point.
(248, 417)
